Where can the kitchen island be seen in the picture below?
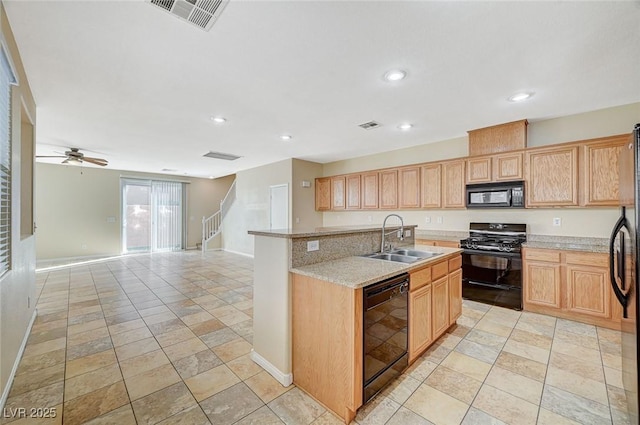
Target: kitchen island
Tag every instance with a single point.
(308, 316)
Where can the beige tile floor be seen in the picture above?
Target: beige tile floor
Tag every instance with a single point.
(165, 339)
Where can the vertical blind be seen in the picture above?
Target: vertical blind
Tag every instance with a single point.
(167, 220)
(7, 79)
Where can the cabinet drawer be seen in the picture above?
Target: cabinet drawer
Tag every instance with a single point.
(419, 278)
(542, 255)
(455, 263)
(439, 270)
(587, 258)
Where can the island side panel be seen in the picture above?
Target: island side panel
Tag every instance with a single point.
(327, 343)
(272, 307)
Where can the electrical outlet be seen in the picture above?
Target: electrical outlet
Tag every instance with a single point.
(369, 219)
(427, 219)
(407, 233)
(83, 246)
(313, 246)
(557, 221)
(297, 220)
(439, 220)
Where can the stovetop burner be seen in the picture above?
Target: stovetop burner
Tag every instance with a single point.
(495, 237)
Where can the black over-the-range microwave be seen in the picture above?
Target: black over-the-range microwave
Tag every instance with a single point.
(496, 195)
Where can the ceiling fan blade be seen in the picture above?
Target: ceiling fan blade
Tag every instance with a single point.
(96, 161)
(51, 156)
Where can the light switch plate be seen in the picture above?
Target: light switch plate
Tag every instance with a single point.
(427, 219)
(439, 220)
(313, 246)
(557, 221)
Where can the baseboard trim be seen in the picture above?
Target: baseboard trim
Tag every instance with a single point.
(7, 388)
(244, 254)
(285, 379)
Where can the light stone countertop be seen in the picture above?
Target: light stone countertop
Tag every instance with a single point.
(357, 272)
(325, 231)
(568, 243)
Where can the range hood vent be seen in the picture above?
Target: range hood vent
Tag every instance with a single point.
(201, 13)
(369, 125)
(220, 155)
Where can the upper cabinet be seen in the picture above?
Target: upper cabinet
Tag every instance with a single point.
(409, 187)
(453, 186)
(370, 193)
(498, 138)
(337, 193)
(552, 176)
(353, 191)
(495, 168)
(431, 182)
(601, 172)
(323, 194)
(388, 189)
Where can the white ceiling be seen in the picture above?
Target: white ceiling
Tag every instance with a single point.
(135, 85)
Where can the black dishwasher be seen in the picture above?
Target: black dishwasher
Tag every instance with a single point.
(385, 308)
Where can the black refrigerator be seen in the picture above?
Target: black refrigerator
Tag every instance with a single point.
(624, 247)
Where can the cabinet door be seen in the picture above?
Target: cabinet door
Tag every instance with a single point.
(353, 192)
(409, 186)
(508, 166)
(552, 177)
(453, 184)
(455, 296)
(323, 194)
(389, 189)
(431, 182)
(479, 170)
(420, 335)
(542, 284)
(588, 291)
(369, 190)
(440, 306)
(601, 172)
(337, 193)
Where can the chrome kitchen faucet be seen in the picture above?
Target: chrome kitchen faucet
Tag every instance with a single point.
(384, 223)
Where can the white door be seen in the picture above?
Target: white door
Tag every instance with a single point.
(279, 206)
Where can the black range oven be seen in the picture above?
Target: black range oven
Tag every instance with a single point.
(492, 264)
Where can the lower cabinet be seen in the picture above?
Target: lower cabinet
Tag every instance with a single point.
(570, 284)
(435, 303)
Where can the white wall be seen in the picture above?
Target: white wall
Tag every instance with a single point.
(303, 206)
(74, 203)
(17, 286)
(593, 222)
(250, 211)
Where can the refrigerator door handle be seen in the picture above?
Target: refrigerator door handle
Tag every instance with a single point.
(619, 292)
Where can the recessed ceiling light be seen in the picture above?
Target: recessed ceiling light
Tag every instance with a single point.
(405, 126)
(395, 75)
(519, 97)
(286, 137)
(211, 177)
(218, 120)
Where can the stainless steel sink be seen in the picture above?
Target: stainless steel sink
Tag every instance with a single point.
(394, 257)
(415, 253)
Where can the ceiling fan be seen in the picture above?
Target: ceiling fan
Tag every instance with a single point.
(74, 156)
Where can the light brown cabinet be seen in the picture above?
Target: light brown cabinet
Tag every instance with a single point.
(338, 194)
(498, 138)
(370, 193)
(431, 185)
(479, 170)
(601, 172)
(420, 336)
(323, 194)
(453, 184)
(353, 191)
(435, 303)
(409, 187)
(552, 177)
(571, 284)
(388, 189)
(508, 166)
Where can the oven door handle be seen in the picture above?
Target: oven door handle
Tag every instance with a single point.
(491, 253)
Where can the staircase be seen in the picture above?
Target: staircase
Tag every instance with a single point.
(212, 225)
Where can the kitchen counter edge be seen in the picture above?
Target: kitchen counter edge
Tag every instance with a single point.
(358, 272)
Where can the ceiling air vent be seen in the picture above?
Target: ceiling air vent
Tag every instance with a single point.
(369, 125)
(220, 155)
(202, 13)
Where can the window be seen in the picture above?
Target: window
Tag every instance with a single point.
(7, 79)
